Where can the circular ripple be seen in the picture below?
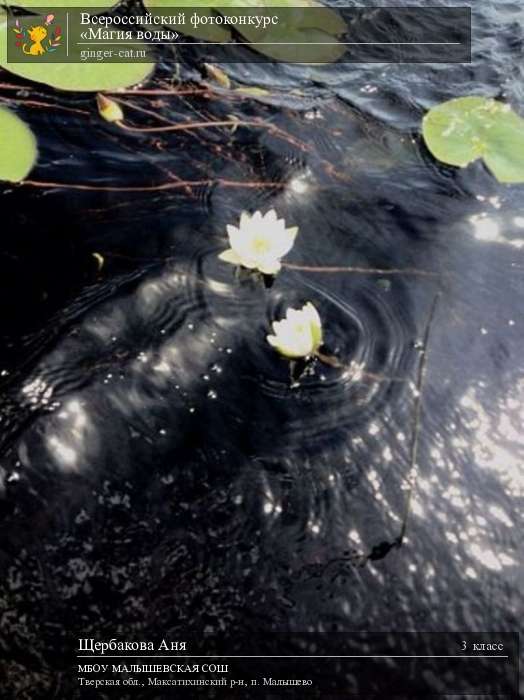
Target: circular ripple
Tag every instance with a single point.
(370, 334)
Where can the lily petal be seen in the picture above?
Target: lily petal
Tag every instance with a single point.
(238, 240)
(230, 256)
(269, 267)
(284, 241)
(294, 341)
(244, 219)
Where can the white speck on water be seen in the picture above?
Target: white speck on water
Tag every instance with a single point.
(354, 537)
(387, 454)
(313, 114)
(484, 229)
(314, 528)
(301, 183)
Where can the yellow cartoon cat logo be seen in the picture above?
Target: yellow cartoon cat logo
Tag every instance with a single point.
(36, 41)
(36, 35)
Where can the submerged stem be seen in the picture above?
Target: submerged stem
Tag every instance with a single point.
(185, 126)
(179, 184)
(329, 360)
(421, 375)
(363, 270)
(334, 362)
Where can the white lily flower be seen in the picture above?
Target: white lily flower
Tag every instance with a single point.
(259, 242)
(299, 334)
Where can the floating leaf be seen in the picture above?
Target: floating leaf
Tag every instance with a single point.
(293, 43)
(17, 147)
(208, 32)
(84, 77)
(464, 129)
(327, 20)
(302, 31)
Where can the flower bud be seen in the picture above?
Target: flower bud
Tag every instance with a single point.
(109, 109)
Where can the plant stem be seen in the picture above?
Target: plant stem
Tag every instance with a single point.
(363, 270)
(421, 375)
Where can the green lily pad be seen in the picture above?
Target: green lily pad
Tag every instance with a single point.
(299, 40)
(3, 32)
(207, 32)
(84, 77)
(464, 129)
(303, 28)
(328, 20)
(17, 147)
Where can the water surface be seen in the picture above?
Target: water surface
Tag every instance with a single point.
(158, 474)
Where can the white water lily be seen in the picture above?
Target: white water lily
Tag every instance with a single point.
(299, 334)
(259, 242)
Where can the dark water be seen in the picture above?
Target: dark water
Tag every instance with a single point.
(158, 475)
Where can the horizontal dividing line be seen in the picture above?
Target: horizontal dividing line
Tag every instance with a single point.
(271, 43)
(340, 656)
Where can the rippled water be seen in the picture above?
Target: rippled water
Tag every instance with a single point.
(158, 473)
